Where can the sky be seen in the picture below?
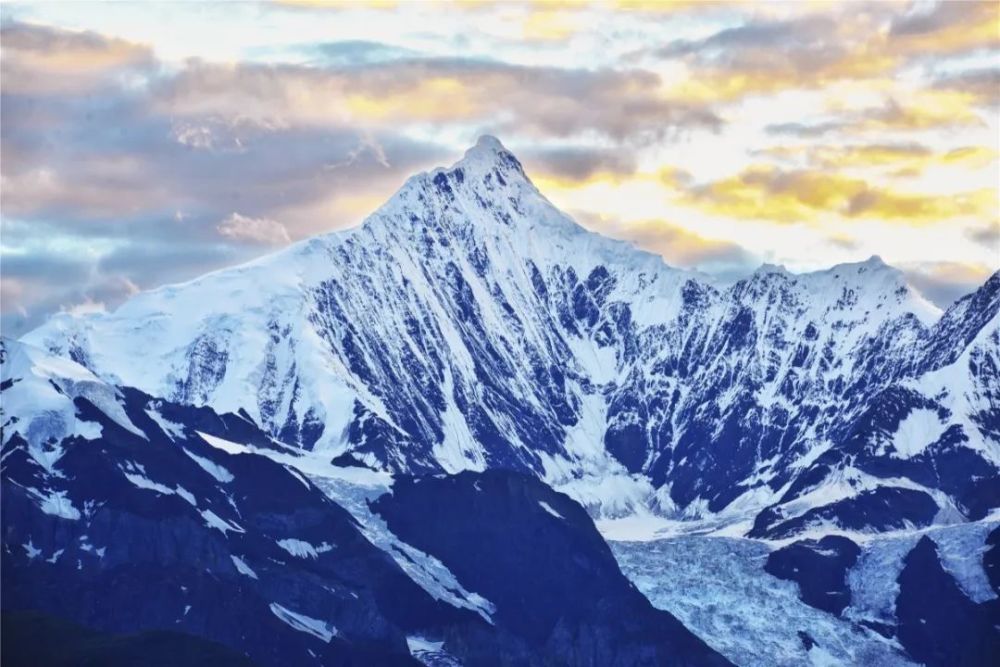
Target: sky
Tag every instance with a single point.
(147, 143)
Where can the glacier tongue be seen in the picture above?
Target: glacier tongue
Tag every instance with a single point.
(469, 324)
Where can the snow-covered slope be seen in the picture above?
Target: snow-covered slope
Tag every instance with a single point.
(126, 513)
(468, 324)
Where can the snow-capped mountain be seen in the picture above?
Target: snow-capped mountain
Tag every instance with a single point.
(824, 449)
(468, 324)
(127, 519)
(124, 513)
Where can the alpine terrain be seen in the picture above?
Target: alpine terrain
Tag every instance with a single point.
(469, 431)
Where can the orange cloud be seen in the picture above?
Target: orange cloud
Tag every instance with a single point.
(38, 59)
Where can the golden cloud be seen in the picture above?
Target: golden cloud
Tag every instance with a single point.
(768, 193)
(910, 158)
(823, 43)
(948, 28)
(677, 244)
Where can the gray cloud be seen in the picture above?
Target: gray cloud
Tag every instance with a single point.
(983, 83)
(927, 19)
(807, 43)
(804, 130)
(944, 282)
(577, 163)
(102, 192)
(145, 169)
(622, 105)
(359, 52)
(677, 245)
(987, 235)
(43, 60)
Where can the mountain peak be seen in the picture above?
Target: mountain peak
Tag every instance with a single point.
(768, 268)
(488, 153)
(875, 262)
(486, 143)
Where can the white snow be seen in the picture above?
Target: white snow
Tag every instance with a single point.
(41, 399)
(186, 495)
(173, 431)
(211, 467)
(213, 520)
(548, 508)
(242, 567)
(459, 450)
(916, 432)
(430, 652)
(820, 657)
(416, 643)
(303, 623)
(31, 550)
(221, 443)
(425, 570)
(636, 528)
(146, 483)
(56, 503)
(303, 549)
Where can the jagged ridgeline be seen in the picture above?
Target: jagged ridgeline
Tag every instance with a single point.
(469, 324)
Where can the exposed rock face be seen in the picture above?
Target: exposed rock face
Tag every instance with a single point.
(127, 514)
(938, 623)
(468, 324)
(508, 535)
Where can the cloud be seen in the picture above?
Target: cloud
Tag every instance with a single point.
(624, 105)
(253, 230)
(987, 235)
(551, 22)
(351, 53)
(126, 170)
(947, 27)
(844, 242)
(764, 192)
(766, 56)
(946, 282)
(926, 109)
(578, 163)
(41, 60)
(805, 130)
(677, 245)
(681, 247)
(981, 84)
(809, 50)
(901, 159)
(86, 307)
